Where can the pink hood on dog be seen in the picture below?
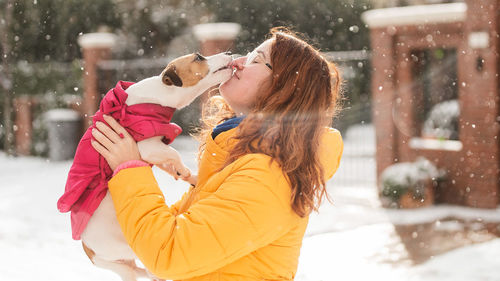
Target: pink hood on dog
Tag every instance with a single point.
(88, 177)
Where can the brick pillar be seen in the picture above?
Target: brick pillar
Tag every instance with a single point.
(95, 47)
(479, 129)
(23, 125)
(383, 64)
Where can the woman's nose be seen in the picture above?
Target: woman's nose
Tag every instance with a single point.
(239, 63)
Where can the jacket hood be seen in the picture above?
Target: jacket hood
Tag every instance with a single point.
(330, 151)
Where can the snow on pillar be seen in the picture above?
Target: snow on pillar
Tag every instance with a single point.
(95, 47)
(216, 37)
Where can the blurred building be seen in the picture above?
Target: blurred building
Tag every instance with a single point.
(435, 87)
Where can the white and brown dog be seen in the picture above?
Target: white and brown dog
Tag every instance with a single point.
(183, 80)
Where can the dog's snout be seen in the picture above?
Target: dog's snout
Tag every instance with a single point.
(236, 56)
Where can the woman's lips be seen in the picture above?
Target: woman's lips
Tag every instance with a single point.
(235, 69)
(236, 73)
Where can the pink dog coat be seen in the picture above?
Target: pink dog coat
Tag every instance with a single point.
(88, 177)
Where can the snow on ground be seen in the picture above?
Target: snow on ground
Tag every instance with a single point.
(353, 239)
(476, 262)
(357, 255)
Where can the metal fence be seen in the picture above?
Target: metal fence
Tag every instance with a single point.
(353, 65)
(357, 165)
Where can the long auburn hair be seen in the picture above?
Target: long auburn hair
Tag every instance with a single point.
(288, 119)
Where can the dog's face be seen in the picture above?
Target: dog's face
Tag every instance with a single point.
(192, 69)
(184, 79)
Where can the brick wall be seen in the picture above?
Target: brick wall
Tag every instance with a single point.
(479, 130)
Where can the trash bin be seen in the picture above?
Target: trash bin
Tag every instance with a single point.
(64, 132)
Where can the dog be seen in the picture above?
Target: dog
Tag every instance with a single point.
(144, 109)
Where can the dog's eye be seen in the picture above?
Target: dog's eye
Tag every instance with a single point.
(198, 57)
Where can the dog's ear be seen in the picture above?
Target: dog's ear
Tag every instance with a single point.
(170, 77)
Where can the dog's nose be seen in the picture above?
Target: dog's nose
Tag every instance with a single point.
(236, 56)
(228, 53)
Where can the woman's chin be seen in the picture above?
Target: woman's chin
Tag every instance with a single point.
(224, 85)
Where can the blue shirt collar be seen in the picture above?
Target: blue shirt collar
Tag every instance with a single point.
(227, 125)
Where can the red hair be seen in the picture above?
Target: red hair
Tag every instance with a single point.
(288, 119)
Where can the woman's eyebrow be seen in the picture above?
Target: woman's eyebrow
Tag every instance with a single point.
(262, 53)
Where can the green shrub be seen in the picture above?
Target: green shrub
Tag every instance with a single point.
(401, 178)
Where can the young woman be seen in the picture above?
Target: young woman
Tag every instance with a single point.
(261, 172)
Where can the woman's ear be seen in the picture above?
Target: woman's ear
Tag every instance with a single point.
(170, 77)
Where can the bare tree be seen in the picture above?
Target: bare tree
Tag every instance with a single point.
(5, 77)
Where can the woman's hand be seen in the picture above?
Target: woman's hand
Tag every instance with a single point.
(115, 144)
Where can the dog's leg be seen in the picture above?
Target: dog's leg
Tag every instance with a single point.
(141, 272)
(154, 151)
(127, 270)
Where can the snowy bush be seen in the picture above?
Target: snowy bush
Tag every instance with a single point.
(401, 178)
(442, 121)
(47, 78)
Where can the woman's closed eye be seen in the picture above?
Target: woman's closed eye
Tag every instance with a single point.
(251, 58)
(255, 57)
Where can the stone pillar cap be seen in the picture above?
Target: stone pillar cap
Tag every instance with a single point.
(216, 31)
(62, 114)
(97, 40)
(415, 15)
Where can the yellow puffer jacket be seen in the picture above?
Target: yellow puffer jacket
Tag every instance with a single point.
(237, 224)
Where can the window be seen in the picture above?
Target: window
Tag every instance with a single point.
(436, 93)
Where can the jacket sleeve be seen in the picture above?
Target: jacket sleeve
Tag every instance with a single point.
(249, 210)
(174, 208)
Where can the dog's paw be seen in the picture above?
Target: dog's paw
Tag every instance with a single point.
(183, 172)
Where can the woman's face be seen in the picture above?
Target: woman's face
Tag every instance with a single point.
(252, 76)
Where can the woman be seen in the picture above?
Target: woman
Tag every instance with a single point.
(261, 173)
